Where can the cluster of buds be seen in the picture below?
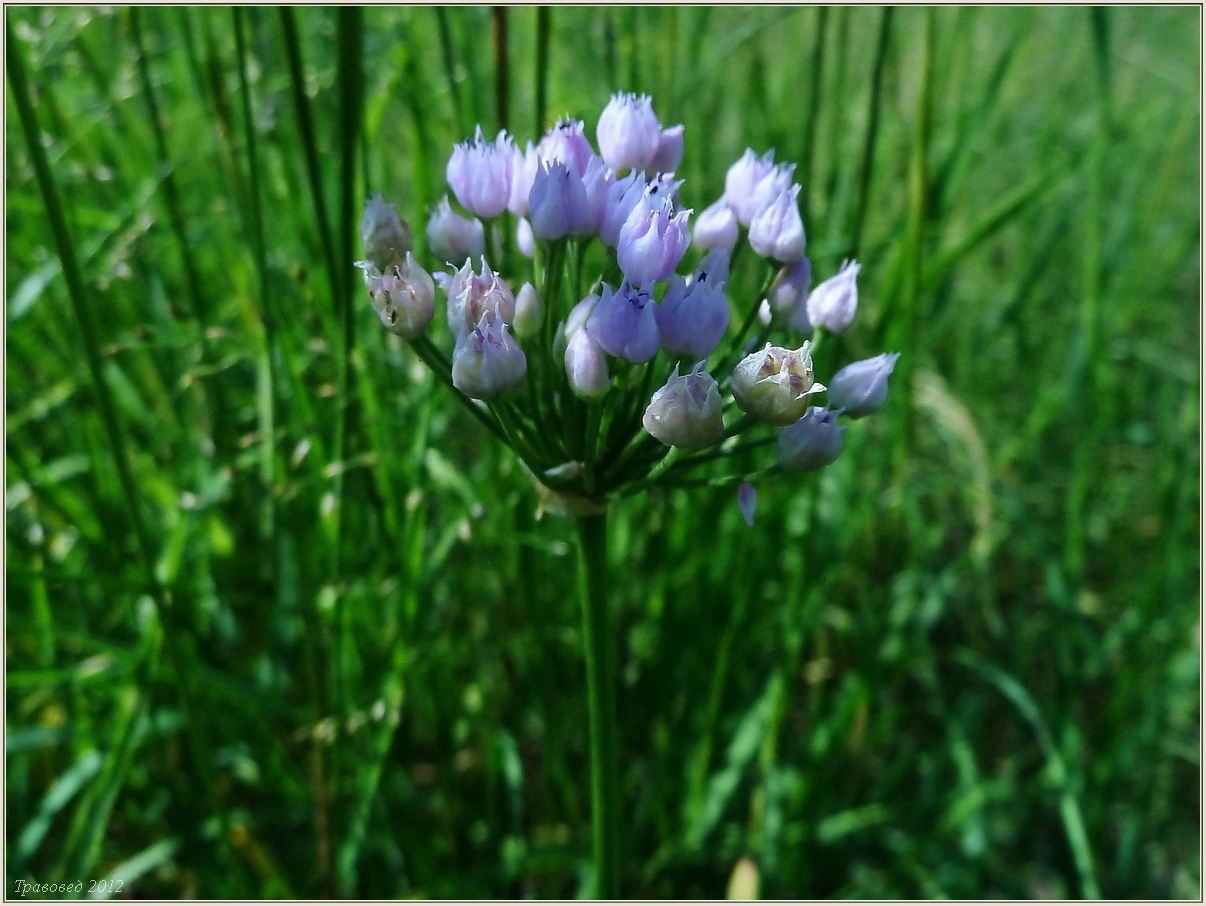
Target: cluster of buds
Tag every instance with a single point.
(624, 361)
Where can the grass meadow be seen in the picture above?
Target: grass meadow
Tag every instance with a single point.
(281, 619)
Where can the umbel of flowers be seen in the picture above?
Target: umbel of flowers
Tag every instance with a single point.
(592, 326)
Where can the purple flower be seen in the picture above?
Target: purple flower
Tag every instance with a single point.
(652, 241)
(622, 196)
(686, 412)
(861, 387)
(741, 180)
(523, 174)
(470, 296)
(747, 502)
(628, 132)
(777, 231)
(567, 143)
(479, 173)
(833, 304)
(597, 181)
(384, 235)
(692, 318)
(558, 200)
(624, 323)
(716, 227)
(669, 150)
(404, 298)
(586, 365)
(452, 237)
(486, 360)
(813, 442)
(789, 293)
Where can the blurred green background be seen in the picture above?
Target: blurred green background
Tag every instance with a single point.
(282, 621)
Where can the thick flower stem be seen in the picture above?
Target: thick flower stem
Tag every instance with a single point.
(601, 702)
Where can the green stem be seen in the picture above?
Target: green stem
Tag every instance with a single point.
(601, 703)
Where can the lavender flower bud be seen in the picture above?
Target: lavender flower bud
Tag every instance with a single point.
(384, 235)
(813, 442)
(597, 181)
(529, 311)
(774, 384)
(525, 239)
(486, 361)
(686, 412)
(669, 150)
(452, 237)
(692, 318)
(716, 227)
(624, 323)
(741, 180)
(470, 296)
(523, 173)
(622, 197)
(861, 387)
(747, 502)
(479, 173)
(789, 292)
(567, 143)
(558, 199)
(652, 241)
(777, 230)
(586, 365)
(833, 304)
(407, 299)
(628, 132)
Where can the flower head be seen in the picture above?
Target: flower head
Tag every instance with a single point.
(384, 235)
(479, 173)
(523, 174)
(813, 442)
(833, 304)
(404, 297)
(567, 143)
(558, 200)
(686, 412)
(861, 387)
(774, 384)
(586, 365)
(716, 227)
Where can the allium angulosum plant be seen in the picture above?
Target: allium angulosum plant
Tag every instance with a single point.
(579, 343)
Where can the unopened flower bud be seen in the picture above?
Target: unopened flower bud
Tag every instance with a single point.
(486, 361)
(523, 173)
(384, 235)
(813, 442)
(693, 317)
(529, 311)
(669, 150)
(742, 179)
(777, 231)
(716, 227)
(747, 502)
(452, 237)
(788, 296)
(558, 200)
(525, 239)
(686, 412)
(833, 304)
(652, 241)
(628, 132)
(861, 387)
(479, 173)
(774, 384)
(586, 365)
(566, 142)
(624, 323)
